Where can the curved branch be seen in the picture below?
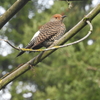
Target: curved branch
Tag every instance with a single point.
(55, 47)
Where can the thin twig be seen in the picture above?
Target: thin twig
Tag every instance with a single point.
(10, 44)
(55, 47)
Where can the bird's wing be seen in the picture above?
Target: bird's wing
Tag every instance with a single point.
(47, 31)
(35, 35)
(31, 43)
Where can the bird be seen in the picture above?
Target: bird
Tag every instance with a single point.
(47, 34)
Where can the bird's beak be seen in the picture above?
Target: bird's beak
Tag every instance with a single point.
(64, 16)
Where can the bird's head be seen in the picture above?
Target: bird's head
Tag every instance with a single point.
(57, 17)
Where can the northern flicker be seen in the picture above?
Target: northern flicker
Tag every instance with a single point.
(48, 33)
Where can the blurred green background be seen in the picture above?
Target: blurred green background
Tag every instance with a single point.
(70, 73)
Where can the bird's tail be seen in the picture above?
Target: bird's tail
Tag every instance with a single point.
(27, 47)
(20, 53)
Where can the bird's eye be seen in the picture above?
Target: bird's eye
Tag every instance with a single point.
(56, 17)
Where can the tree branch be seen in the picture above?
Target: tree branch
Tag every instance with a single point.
(42, 55)
(11, 12)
